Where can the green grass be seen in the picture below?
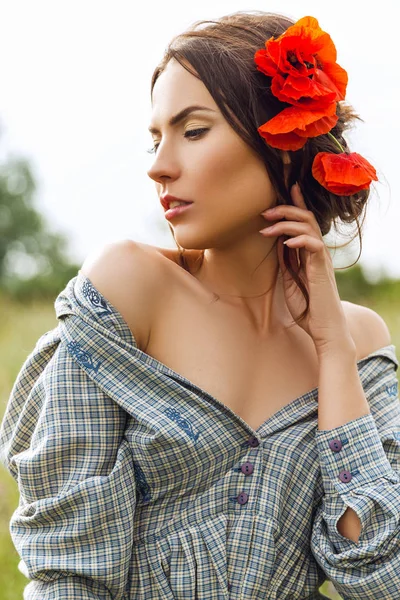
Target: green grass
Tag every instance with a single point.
(21, 326)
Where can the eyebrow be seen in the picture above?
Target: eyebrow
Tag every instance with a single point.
(181, 115)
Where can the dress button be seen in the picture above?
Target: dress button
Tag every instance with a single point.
(335, 445)
(242, 498)
(253, 442)
(345, 476)
(247, 468)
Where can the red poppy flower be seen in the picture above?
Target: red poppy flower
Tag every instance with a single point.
(290, 129)
(343, 174)
(303, 70)
(302, 64)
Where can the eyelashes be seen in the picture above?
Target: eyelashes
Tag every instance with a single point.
(190, 134)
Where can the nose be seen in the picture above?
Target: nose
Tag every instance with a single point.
(165, 165)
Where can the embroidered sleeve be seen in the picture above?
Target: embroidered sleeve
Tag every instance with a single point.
(62, 439)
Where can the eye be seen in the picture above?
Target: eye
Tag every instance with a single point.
(195, 132)
(190, 133)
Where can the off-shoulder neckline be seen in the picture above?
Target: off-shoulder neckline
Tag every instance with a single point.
(388, 351)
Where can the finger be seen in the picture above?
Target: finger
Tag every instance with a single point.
(308, 242)
(297, 196)
(294, 213)
(289, 228)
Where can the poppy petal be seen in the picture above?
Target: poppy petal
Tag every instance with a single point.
(343, 173)
(296, 118)
(283, 141)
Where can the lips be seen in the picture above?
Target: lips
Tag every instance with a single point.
(167, 199)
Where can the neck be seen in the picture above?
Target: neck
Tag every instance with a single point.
(250, 283)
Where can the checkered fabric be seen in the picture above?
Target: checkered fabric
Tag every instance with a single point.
(135, 483)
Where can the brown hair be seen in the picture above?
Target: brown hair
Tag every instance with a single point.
(221, 53)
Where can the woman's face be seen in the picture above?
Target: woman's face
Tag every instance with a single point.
(214, 168)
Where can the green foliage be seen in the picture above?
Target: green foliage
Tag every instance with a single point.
(354, 287)
(21, 326)
(33, 260)
(41, 287)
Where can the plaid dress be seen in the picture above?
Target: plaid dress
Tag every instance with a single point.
(135, 483)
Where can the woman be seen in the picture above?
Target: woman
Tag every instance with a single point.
(229, 429)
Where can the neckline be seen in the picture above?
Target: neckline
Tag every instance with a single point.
(160, 366)
(287, 408)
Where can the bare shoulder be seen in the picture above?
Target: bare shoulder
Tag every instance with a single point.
(191, 256)
(128, 274)
(368, 329)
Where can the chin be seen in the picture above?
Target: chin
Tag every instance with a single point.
(192, 240)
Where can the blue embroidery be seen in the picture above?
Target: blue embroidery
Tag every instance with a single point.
(176, 416)
(141, 483)
(392, 389)
(83, 357)
(94, 297)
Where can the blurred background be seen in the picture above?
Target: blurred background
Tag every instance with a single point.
(74, 111)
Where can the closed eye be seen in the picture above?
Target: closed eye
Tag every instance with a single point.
(190, 134)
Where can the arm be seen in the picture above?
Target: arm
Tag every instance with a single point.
(62, 439)
(339, 380)
(356, 531)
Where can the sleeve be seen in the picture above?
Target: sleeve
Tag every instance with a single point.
(62, 439)
(360, 467)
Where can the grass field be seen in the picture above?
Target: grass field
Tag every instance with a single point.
(21, 326)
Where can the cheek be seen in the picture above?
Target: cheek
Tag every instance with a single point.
(215, 167)
(236, 176)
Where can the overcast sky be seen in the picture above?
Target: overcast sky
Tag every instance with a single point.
(75, 102)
